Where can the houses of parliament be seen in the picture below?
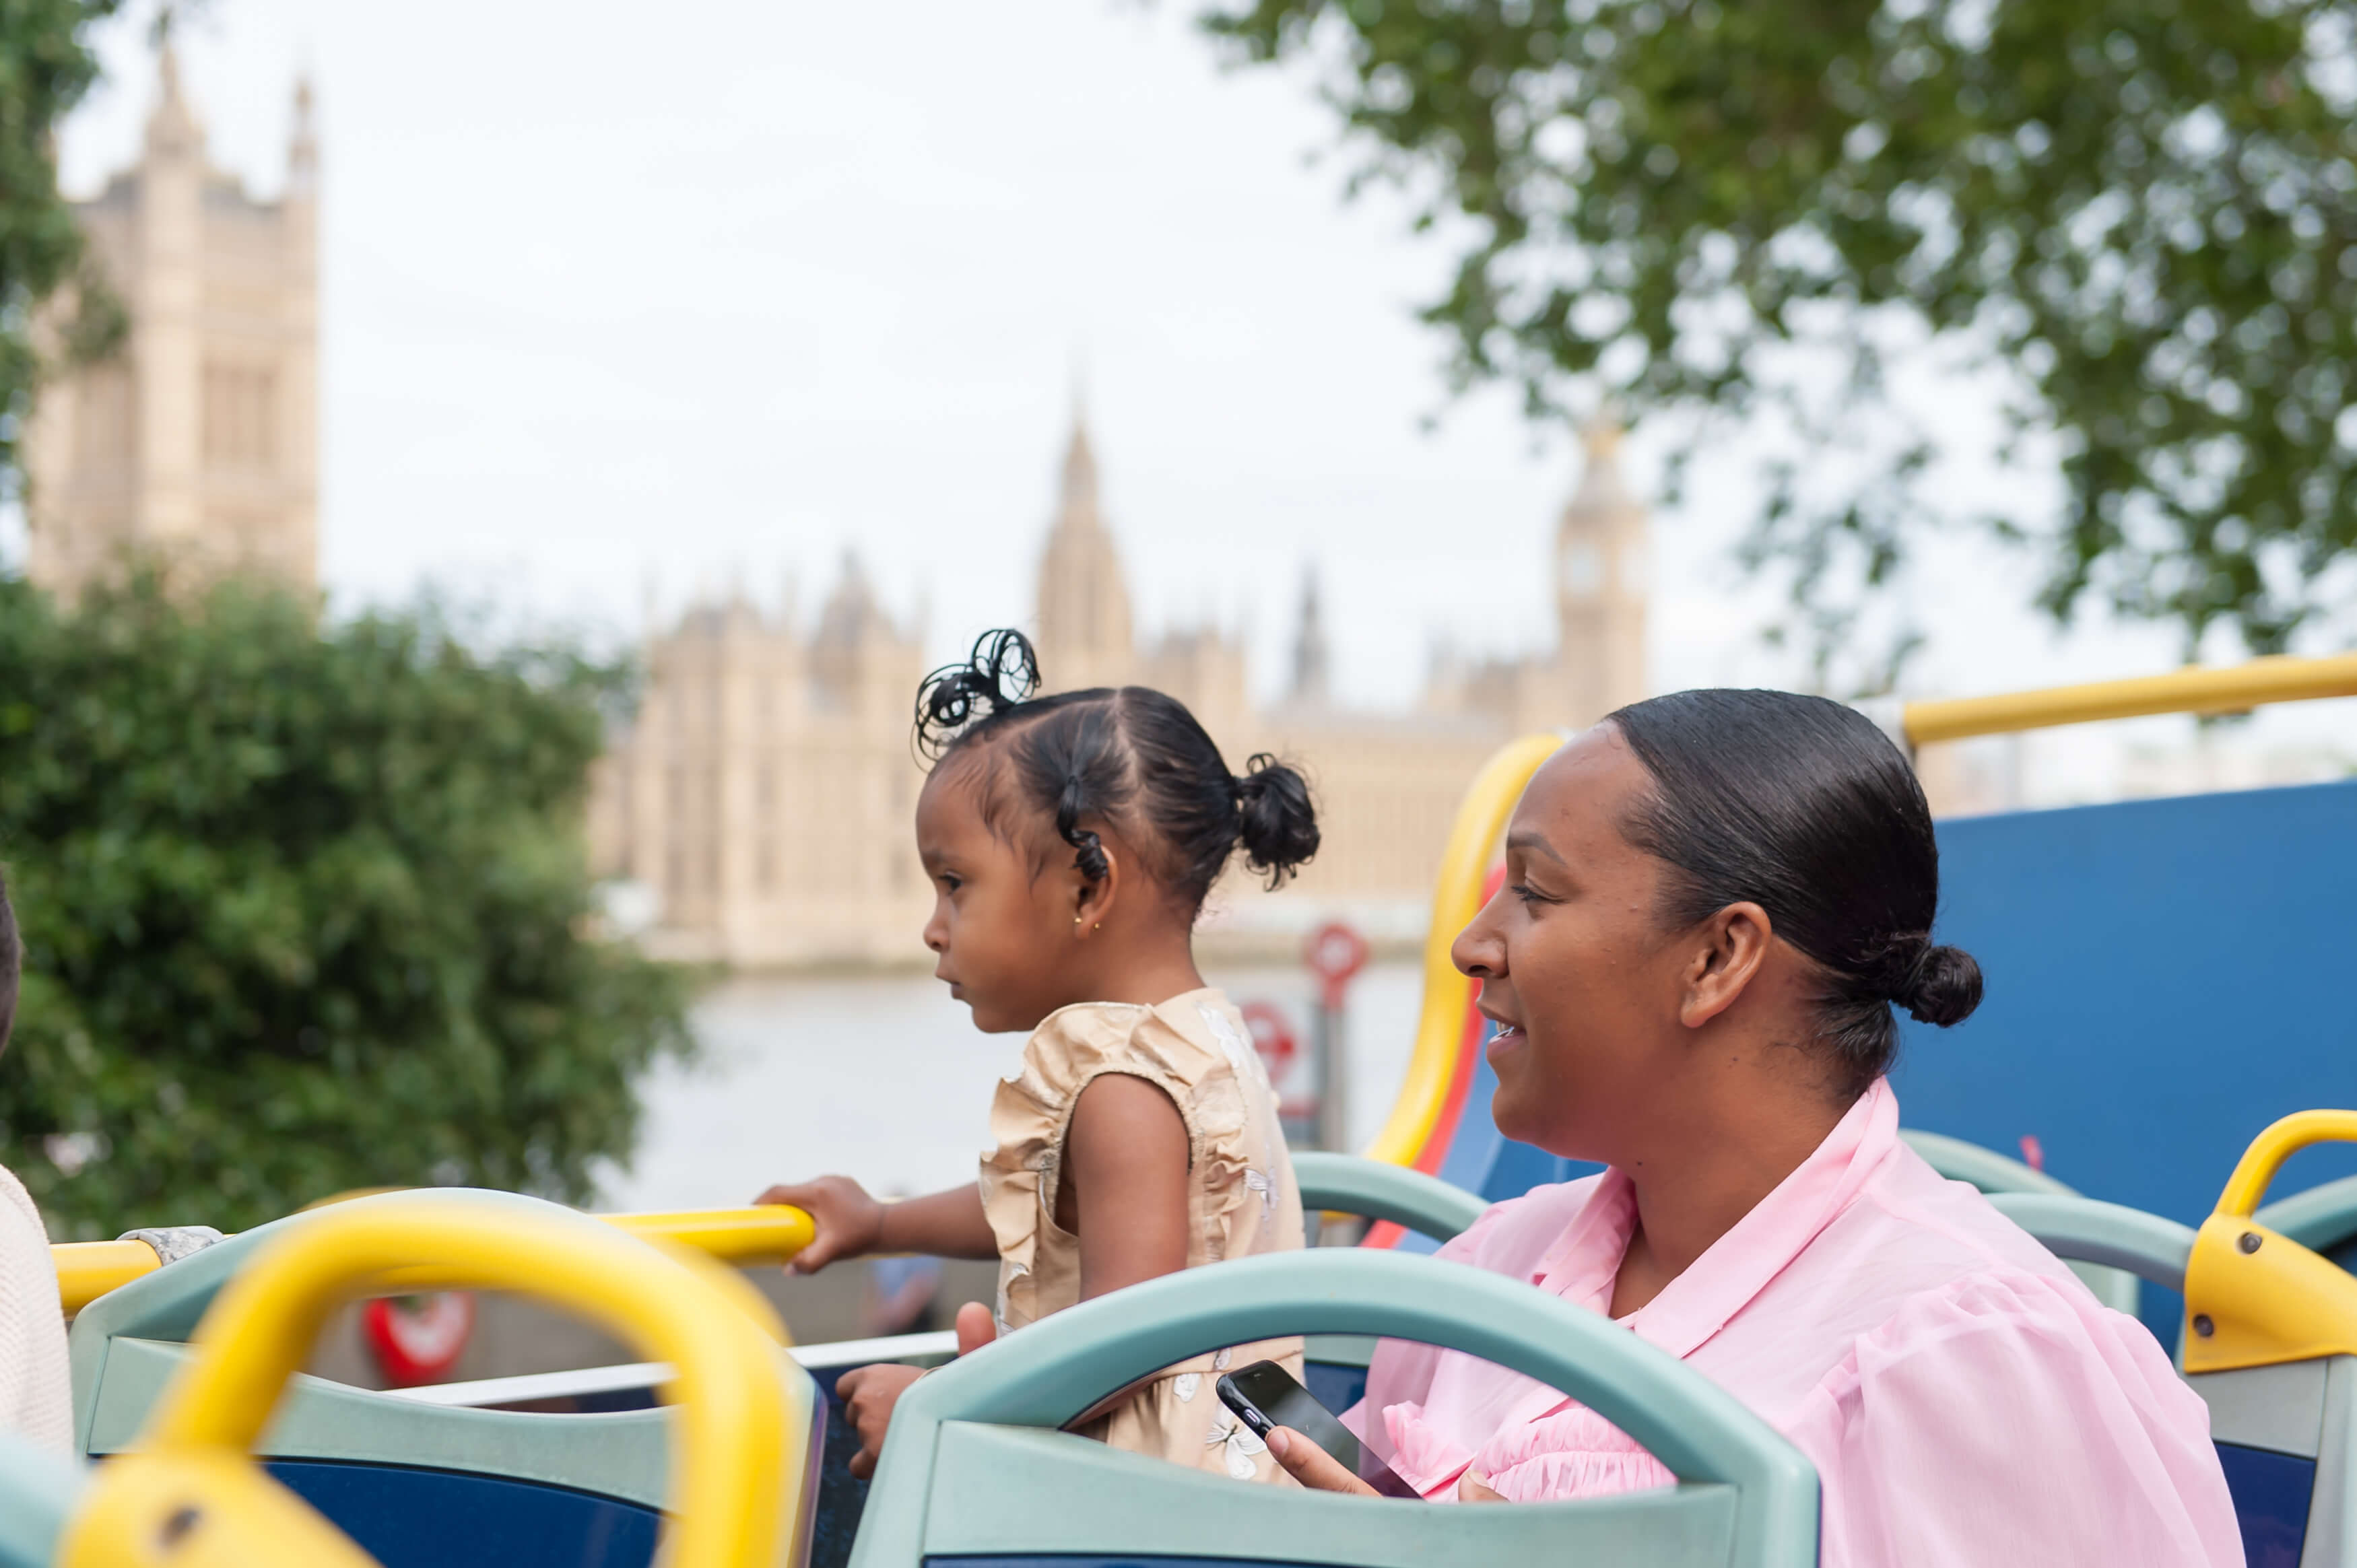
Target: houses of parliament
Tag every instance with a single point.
(764, 790)
(197, 443)
(759, 802)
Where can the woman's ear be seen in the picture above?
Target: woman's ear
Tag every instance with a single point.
(1732, 945)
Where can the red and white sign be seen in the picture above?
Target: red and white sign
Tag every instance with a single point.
(1335, 953)
(418, 1338)
(1273, 1037)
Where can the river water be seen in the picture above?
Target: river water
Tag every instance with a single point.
(885, 1078)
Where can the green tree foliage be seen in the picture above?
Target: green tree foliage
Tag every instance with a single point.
(304, 910)
(2142, 213)
(44, 69)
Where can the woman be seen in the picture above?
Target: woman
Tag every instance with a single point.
(1713, 899)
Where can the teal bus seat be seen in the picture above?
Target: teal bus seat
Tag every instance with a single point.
(39, 1493)
(976, 1468)
(417, 1485)
(2287, 1434)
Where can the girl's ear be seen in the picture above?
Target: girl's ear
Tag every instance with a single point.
(1094, 901)
(1731, 945)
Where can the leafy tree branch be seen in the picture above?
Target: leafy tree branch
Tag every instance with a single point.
(2143, 214)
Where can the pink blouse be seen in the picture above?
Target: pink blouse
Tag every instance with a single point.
(1964, 1398)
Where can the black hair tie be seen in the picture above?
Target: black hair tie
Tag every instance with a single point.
(1000, 675)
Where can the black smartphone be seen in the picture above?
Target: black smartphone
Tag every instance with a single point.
(1264, 1396)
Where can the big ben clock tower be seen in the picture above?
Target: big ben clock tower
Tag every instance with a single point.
(1600, 580)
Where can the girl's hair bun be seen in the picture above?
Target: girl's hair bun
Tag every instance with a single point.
(1941, 986)
(1002, 673)
(1277, 824)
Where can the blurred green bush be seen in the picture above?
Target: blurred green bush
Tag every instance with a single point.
(306, 907)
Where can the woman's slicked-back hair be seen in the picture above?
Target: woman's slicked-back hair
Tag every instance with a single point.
(1803, 806)
(1130, 755)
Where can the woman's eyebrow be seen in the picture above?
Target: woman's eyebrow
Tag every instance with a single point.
(1529, 842)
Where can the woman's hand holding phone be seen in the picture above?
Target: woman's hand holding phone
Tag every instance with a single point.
(1321, 1472)
(1312, 1466)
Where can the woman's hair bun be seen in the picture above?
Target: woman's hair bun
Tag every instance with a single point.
(1002, 673)
(1941, 986)
(1277, 824)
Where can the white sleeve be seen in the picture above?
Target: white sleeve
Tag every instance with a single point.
(36, 1392)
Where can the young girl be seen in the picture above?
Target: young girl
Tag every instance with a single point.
(1071, 840)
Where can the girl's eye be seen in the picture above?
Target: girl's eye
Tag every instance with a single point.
(1528, 894)
(951, 883)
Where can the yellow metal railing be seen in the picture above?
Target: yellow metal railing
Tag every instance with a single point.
(2191, 691)
(88, 1270)
(741, 1237)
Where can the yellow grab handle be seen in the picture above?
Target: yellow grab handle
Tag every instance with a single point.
(730, 1502)
(1456, 900)
(2256, 1169)
(2254, 1297)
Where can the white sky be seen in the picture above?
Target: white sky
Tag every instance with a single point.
(712, 291)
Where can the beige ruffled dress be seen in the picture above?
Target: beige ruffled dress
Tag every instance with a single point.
(1242, 1200)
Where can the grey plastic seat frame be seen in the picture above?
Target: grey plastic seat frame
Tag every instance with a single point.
(2088, 1230)
(1350, 1184)
(1984, 1168)
(975, 1468)
(126, 1345)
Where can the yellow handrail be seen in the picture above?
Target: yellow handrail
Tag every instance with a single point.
(731, 1500)
(742, 1237)
(772, 1233)
(2195, 690)
(88, 1270)
(1457, 898)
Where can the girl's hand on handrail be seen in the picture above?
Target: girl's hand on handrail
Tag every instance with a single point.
(850, 1223)
(846, 1221)
(1321, 1472)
